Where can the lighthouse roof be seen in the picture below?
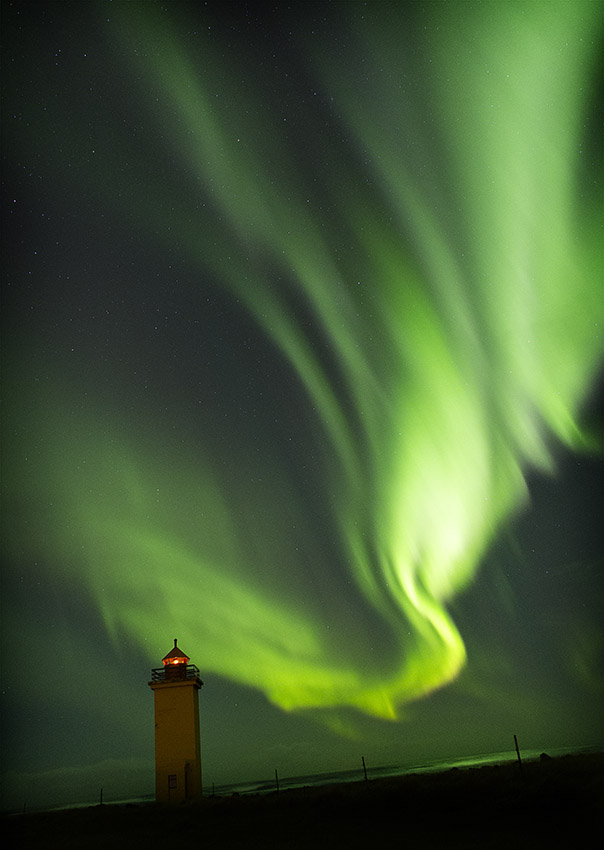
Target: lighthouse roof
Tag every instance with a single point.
(175, 653)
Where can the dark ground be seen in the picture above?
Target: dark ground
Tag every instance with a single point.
(550, 805)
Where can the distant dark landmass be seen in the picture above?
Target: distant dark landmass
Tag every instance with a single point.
(549, 804)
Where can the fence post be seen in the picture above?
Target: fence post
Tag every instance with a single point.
(518, 752)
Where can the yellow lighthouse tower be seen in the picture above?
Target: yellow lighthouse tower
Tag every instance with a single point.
(176, 687)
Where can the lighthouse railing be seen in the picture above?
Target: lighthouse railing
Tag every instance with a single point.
(158, 674)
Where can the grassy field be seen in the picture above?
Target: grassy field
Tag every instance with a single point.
(549, 805)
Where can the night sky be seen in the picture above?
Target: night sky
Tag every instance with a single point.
(302, 344)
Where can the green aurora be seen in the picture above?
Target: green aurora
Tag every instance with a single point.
(419, 253)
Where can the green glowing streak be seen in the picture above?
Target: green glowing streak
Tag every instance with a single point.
(474, 344)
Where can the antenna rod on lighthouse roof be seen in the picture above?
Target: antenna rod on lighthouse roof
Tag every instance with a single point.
(175, 639)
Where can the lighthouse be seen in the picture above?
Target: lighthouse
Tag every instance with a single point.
(176, 688)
